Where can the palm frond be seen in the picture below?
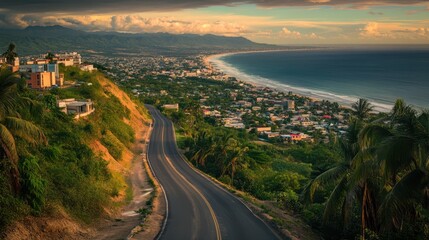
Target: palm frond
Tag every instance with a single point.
(8, 99)
(332, 175)
(365, 169)
(395, 153)
(372, 135)
(25, 129)
(401, 200)
(7, 143)
(336, 199)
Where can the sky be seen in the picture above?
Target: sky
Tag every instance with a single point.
(265, 21)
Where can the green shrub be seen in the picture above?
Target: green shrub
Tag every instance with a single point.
(32, 183)
(112, 144)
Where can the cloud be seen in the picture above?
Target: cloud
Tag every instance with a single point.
(423, 32)
(371, 30)
(394, 31)
(138, 6)
(133, 24)
(290, 34)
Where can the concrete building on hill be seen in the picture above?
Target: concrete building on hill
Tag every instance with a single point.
(66, 61)
(42, 76)
(87, 67)
(80, 108)
(67, 57)
(41, 80)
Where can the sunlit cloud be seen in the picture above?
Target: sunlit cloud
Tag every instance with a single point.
(397, 31)
(372, 25)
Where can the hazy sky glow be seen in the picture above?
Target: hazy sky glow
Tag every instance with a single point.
(270, 21)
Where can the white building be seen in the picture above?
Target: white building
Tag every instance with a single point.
(79, 108)
(87, 67)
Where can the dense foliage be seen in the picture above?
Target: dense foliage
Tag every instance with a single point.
(370, 183)
(53, 165)
(383, 179)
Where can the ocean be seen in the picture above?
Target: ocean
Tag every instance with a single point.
(379, 74)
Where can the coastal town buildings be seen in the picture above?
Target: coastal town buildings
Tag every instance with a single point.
(43, 72)
(281, 117)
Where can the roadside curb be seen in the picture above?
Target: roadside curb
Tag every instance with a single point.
(162, 210)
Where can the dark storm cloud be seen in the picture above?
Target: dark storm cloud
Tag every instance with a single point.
(108, 6)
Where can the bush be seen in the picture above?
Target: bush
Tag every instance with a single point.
(33, 184)
(113, 144)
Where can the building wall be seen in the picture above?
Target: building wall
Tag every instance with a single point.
(67, 61)
(42, 80)
(263, 129)
(60, 80)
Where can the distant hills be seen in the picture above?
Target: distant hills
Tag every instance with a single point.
(37, 39)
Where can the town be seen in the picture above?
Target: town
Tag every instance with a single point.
(43, 73)
(274, 116)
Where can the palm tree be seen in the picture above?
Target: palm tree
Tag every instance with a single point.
(12, 125)
(203, 148)
(362, 108)
(354, 181)
(234, 157)
(50, 56)
(385, 170)
(402, 152)
(10, 54)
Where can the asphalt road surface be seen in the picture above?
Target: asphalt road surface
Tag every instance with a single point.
(197, 208)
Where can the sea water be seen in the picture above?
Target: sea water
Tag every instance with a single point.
(379, 74)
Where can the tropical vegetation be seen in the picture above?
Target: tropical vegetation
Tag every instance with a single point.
(47, 166)
(383, 177)
(369, 183)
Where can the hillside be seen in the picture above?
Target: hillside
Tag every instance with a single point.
(35, 40)
(82, 173)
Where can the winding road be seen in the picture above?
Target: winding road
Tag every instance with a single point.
(197, 208)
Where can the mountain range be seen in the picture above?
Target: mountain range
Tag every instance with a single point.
(38, 39)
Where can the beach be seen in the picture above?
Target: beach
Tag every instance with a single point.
(352, 74)
(214, 62)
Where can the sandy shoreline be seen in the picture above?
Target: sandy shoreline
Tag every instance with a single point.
(213, 62)
(208, 61)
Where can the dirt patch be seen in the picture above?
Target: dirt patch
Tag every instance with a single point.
(127, 223)
(57, 226)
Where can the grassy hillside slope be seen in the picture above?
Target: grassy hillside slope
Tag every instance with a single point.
(80, 174)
